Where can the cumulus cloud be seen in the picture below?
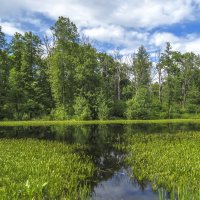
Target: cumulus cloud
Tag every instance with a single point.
(149, 14)
(129, 13)
(158, 40)
(117, 36)
(187, 43)
(105, 34)
(125, 24)
(10, 29)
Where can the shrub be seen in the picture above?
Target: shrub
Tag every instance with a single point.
(139, 107)
(118, 109)
(81, 109)
(59, 113)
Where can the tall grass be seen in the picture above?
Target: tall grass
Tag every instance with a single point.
(32, 169)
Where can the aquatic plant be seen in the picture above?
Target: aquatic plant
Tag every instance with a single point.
(33, 169)
(169, 161)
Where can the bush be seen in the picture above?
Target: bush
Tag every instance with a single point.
(81, 109)
(59, 113)
(103, 110)
(139, 107)
(102, 106)
(118, 109)
(193, 109)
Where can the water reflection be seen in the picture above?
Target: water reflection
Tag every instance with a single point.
(111, 180)
(122, 187)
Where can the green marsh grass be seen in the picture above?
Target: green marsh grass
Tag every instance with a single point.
(90, 122)
(33, 169)
(169, 161)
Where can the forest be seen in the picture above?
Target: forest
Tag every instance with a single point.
(62, 76)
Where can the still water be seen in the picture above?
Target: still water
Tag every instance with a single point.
(112, 180)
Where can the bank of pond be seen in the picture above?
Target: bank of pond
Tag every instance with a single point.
(97, 122)
(143, 161)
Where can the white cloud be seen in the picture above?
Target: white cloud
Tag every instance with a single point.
(157, 41)
(193, 46)
(129, 13)
(104, 34)
(127, 24)
(117, 36)
(10, 29)
(149, 14)
(187, 43)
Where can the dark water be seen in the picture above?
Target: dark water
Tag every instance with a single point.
(112, 181)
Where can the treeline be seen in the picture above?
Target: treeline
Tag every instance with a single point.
(64, 77)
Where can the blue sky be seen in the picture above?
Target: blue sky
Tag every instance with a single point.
(116, 24)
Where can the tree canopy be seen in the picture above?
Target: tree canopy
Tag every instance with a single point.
(62, 77)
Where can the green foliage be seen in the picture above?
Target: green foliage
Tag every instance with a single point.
(81, 109)
(55, 82)
(117, 109)
(32, 169)
(28, 85)
(4, 72)
(103, 107)
(170, 161)
(139, 107)
(103, 111)
(62, 61)
(59, 113)
(141, 68)
(2, 39)
(65, 31)
(106, 67)
(156, 108)
(128, 91)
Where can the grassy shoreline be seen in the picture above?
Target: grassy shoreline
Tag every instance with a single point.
(90, 122)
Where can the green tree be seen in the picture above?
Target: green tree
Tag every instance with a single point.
(107, 75)
(103, 106)
(4, 74)
(139, 107)
(28, 81)
(81, 109)
(87, 76)
(141, 69)
(167, 61)
(62, 64)
(120, 75)
(73, 80)
(187, 69)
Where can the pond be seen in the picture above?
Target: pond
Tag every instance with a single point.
(112, 179)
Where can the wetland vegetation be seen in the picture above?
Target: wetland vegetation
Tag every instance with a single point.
(170, 161)
(141, 161)
(33, 169)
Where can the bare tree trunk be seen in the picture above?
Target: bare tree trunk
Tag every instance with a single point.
(118, 89)
(160, 79)
(184, 94)
(118, 73)
(160, 86)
